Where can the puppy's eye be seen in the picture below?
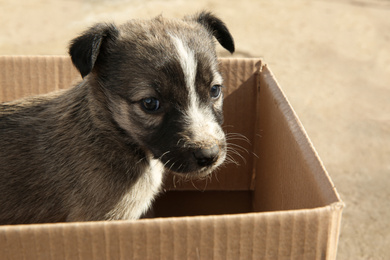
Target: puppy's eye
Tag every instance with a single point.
(150, 104)
(215, 91)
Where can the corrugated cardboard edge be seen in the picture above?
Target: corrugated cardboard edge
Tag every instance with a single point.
(298, 234)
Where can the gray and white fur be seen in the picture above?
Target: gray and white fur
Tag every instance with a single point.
(150, 103)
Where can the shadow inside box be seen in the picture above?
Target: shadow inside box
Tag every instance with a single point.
(197, 203)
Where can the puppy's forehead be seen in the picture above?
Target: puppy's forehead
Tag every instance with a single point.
(199, 68)
(178, 54)
(156, 33)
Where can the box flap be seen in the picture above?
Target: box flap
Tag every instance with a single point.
(289, 173)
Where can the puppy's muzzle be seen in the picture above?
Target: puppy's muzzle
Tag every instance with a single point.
(206, 156)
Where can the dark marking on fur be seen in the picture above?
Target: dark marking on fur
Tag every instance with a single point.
(85, 49)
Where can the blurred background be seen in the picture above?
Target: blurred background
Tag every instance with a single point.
(332, 59)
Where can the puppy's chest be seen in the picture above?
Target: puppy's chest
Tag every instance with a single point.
(139, 198)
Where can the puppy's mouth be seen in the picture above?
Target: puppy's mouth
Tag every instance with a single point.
(194, 162)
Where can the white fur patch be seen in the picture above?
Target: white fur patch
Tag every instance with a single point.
(188, 65)
(138, 200)
(203, 125)
(201, 120)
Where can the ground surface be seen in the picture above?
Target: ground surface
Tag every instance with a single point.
(332, 59)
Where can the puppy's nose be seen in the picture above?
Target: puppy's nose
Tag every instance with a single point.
(206, 156)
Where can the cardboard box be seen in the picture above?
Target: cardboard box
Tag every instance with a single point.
(279, 203)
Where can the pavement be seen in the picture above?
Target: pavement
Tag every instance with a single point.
(332, 59)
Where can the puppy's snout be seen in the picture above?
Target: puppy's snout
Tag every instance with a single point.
(206, 156)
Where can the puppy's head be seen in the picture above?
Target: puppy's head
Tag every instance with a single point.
(162, 85)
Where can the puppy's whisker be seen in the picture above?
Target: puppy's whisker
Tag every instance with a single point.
(206, 178)
(179, 141)
(193, 184)
(140, 160)
(174, 181)
(216, 176)
(170, 167)
(238, 147)
(230, 159)
(163, 155)
(166, 163)
(180, 166)
(237, 136)
(238, 154)
(232, 151)
(226, 126)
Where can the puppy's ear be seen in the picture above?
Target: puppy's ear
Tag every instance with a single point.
(217, 28)
(85, 49)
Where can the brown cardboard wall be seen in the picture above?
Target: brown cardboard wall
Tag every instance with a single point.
(23, 76)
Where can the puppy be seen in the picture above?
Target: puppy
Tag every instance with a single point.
(150, 103)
